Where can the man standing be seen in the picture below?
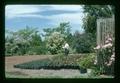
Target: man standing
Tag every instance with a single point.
(66, 48)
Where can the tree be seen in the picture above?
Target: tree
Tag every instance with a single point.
(64, 28)
(93, 12)
(23, 41)
(37, 45)
(83, 43)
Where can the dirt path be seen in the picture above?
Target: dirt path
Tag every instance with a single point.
(16, 72)
(10, 61)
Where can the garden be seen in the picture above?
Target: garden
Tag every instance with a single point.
(91, 53)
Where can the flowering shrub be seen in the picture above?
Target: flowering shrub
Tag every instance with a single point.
(55, 42)
(107, 56)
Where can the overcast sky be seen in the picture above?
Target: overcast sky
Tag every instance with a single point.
(43, 16)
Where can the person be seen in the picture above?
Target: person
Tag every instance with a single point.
(66, 48)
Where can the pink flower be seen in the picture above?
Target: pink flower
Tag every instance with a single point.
(108, 64)
(110, 39)
(106, 41)
(107, 45)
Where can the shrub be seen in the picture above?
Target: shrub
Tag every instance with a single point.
(87, 61)
(54, 42)
(106, 55)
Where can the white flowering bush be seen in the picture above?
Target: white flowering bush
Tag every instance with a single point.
(54, 42)
(106, 56)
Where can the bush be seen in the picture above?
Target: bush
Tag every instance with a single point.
(106, 55)
(54, 42)
(87, 61)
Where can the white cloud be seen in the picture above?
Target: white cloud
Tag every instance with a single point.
(75, 18)
(12, 11)
(67, 7)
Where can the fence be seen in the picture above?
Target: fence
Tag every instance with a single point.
(105, 26)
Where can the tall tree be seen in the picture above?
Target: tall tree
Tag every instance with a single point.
(63, 28)
(93, 12)
(83, 43)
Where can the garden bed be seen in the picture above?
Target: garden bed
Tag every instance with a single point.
(57, 62)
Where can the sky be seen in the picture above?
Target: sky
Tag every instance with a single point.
(43, 16)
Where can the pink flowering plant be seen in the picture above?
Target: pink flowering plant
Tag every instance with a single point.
(106, 56)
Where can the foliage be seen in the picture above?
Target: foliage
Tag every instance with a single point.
(20, 42)
(63, 28)
(93, 12)
(29, 41)
(83, 43)
(37, 50)
(95, 71)
(106, 56)
(55, 37)
(56, 62)
(55, 42)
(87, 61)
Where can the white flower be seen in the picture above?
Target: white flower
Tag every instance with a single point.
(98, 47)
(95, 62)
(113, 55)
(112, 59)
